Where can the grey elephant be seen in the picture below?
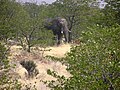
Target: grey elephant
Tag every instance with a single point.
(59, 27)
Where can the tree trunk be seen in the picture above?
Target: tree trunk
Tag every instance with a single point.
(28, 49)
(69, 37)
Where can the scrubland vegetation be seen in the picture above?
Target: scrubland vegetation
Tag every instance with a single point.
(94, 63)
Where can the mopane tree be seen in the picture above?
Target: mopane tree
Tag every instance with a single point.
(8, 9)
(110, 14)
(115, 6)
(27, 25)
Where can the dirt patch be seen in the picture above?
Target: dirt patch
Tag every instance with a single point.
(58, 51)
(17, 55)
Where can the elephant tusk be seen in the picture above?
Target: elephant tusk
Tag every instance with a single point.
(69, 31)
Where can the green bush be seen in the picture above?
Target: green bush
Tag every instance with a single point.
(30, 66)
(94, 64)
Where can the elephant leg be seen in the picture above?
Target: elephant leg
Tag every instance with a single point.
(59, 37)
(66, 36)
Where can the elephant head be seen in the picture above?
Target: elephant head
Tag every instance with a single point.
(59, 27)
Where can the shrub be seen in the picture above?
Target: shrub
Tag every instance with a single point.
(30, 66)
(94, 64)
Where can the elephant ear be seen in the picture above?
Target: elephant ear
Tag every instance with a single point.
(48, 23)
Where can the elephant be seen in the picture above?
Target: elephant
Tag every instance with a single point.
(59, 28)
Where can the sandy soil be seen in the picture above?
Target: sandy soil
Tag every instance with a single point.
(17, 55)
(58, 51)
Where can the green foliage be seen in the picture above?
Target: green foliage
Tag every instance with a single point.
(30, 66)
(94, 64)
(114, 6)
(110, 14)
(7, 13)
(60, 79)
(7, 82)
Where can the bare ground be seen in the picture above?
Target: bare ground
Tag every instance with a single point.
(17, 55)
